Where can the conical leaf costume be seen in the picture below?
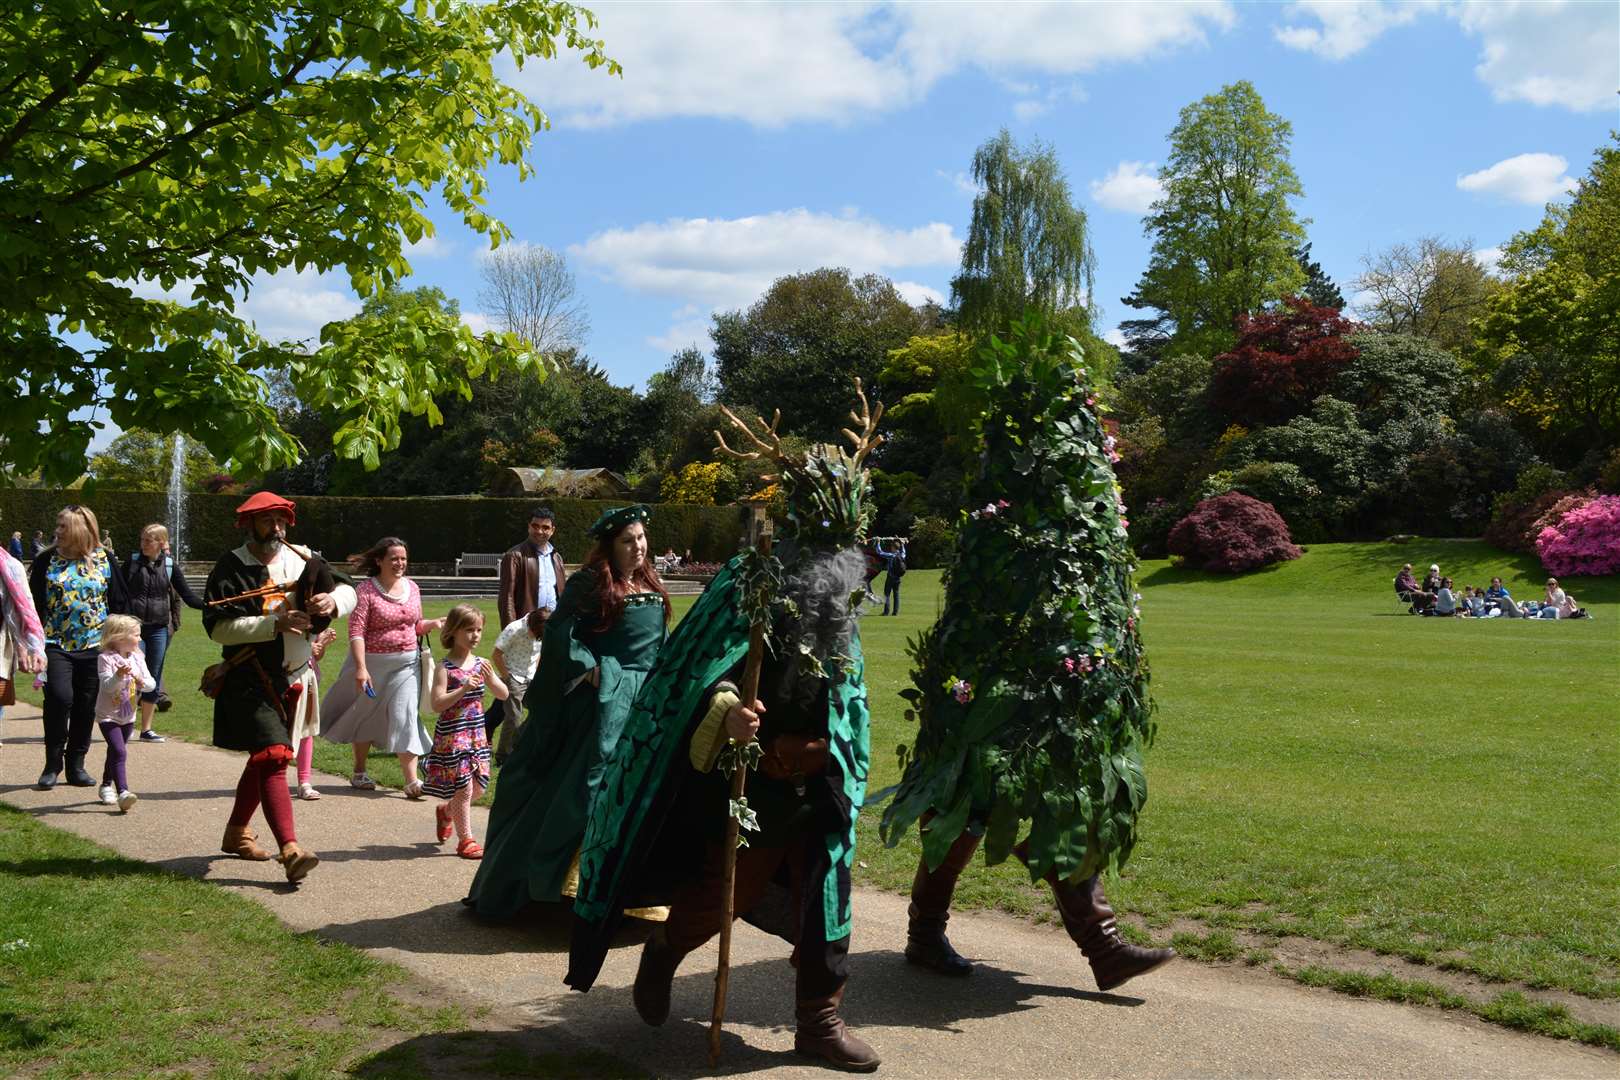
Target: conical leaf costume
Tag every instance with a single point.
(1031, 689)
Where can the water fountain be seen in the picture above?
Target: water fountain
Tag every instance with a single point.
(177, 496)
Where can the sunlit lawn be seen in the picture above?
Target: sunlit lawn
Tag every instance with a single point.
(1326, 765)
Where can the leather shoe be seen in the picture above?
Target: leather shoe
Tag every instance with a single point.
(654, 977)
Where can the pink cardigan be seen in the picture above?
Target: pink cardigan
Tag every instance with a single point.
(386, 624)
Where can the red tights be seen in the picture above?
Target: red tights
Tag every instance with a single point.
(264, 781)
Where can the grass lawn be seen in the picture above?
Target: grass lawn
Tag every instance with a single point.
(1327, 767)
(110, 966)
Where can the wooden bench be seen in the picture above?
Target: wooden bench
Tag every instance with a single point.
(478, 561)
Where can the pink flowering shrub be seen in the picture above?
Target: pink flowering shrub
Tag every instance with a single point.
(1230, 534)
(1585, 540)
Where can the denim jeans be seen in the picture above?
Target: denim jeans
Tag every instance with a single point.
(155, 640)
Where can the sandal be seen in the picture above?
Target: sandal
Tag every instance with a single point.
(413, 790)
(441, 817)
(363, 782)
(308, 792)
(470, 849)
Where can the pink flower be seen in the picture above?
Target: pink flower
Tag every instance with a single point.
(1090, 402)
(962, 691)
(1002, 504)
(1124, 523)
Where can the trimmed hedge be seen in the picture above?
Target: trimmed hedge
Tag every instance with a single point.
(436, 528)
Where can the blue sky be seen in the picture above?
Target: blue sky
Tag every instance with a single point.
(749, 141)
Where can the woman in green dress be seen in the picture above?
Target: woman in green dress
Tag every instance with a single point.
(602, 640)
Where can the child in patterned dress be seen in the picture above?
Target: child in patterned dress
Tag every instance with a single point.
(457, 768)
(123, 676)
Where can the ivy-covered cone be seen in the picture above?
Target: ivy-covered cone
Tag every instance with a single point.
(1031, 689)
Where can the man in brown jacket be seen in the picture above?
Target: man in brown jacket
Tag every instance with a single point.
(532, 573)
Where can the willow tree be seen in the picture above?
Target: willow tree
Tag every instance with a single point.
(1028, 249)
(1225, 235)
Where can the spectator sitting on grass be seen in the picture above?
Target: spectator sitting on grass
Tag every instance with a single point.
(1476, 602)
(1562, 603)
(1431, 581)
(1445, 601)
(1406, 587)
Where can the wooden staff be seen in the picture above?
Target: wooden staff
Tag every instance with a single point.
(739, 779)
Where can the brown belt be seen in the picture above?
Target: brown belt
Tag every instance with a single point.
(793, 758)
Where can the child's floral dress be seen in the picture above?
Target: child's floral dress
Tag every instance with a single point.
(460, 744)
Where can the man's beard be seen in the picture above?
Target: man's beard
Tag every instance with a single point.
(270, 545)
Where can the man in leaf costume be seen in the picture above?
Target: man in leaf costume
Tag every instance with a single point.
(1031, 689)
(656, 830)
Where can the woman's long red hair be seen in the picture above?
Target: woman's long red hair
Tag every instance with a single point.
(611, 589)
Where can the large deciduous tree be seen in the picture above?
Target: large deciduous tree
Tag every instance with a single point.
(156, 156)
(1225, 234)
(1553, 332)
(1282, 361)
(798, 346)
(1028, 248)
(1432, 289)
(530, 292)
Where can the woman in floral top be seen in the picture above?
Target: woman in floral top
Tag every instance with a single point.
(75, 587)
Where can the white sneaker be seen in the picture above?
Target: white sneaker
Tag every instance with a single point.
(363, 782)
(307, 791)
(108, 794)
(127, 799)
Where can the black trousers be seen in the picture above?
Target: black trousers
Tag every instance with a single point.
(71, 685)
(891, 588)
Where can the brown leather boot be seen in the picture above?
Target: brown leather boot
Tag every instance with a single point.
(297, 861)
(239, 841)
(822, 1034)
(931, 892)
(654, 976)
(1090, 922)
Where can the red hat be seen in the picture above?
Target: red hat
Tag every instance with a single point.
(261, 503)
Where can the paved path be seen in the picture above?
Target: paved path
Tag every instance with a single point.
(1029, 1011)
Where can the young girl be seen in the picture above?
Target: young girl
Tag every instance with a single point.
(306, 746)
(124, 677)
(457, 769)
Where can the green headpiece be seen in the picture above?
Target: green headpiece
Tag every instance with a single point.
(613, 520)
(828, 490)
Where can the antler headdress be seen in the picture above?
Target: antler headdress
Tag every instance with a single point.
(828, 491)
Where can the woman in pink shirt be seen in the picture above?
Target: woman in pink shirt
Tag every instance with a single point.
(376, 699)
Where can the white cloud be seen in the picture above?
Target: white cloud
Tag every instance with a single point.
(288, 305)
(1548, 52)
(478, 322)
(1346, 26)
(1115, 337)
(429, 247)
(1132, 187)
(961, 181)
(1526, 178)
(712, 264)
(720, 262)
(917, 294)
(1029, 109)
(1557, 53)
(773, 64)
(1491, 259)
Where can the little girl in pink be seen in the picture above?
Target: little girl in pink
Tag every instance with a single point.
(458, 766)
(123, 675)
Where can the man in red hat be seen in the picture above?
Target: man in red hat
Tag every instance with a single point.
(266, 600)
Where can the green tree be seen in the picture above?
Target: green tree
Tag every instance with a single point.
(799, 345)
(1027, 249)
(1432, 289)
(187, 147)
(1319, 289)
(1224, 232)
(143, 461)
(1552, 334)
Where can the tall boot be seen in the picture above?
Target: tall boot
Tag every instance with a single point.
(240, 841)
(654, 977)
(822, 1034)
(1090, 923)
(931, 892)
(297, 861)
(53, 768)
(75, 771)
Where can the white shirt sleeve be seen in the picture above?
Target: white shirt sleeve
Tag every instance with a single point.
(244, 631)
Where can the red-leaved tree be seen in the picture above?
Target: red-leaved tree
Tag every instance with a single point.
(1231, 534)
(1284, 360)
